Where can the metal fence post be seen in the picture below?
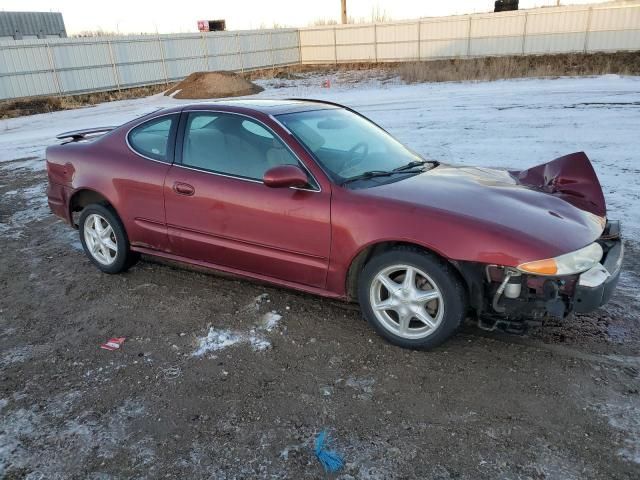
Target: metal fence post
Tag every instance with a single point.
(164, 63)
(587, 29)
(419, 40)
(524, 32)
(299, 48)
(375, 40)
(52, 65)
(273, 62)
(113, 64)
(335, 46)
(205, 50)
(469, 38)
(239, 50)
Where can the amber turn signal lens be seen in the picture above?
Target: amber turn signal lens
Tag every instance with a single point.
(568, 264)
(540, 267)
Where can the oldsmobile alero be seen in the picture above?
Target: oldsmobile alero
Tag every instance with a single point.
(311, 195)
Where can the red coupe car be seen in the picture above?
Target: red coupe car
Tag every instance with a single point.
(312, 195)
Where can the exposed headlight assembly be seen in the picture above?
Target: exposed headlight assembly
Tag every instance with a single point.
(567, 264)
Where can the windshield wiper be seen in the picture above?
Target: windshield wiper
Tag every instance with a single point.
(369, 174)
(414, 164)
(383, 173)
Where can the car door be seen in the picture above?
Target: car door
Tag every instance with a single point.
(139, 177)
(219, 211)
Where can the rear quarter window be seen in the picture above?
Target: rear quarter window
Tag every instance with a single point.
(154, 139)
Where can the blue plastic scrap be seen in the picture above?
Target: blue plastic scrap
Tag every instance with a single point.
(330, 460)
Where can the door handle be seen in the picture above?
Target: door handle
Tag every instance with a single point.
(183, 189)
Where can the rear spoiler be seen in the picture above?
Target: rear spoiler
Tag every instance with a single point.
(77, 135)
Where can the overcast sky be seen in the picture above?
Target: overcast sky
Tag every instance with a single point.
(135, 16)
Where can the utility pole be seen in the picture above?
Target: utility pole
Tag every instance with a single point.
(343, 10)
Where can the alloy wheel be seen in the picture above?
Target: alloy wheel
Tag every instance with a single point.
(406, 301)
(100, 239)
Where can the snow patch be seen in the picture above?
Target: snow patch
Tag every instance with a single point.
(259, 343)
(30, 437)
(21, 354)
(33, 207)
(623, 414)
(218, 339)
(270, 320)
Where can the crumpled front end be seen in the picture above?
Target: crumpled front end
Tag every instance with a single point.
(571, 178)
(511, 295)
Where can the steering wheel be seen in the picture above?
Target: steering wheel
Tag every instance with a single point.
(357, 154)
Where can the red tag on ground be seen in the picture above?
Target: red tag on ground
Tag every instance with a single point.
(113, 343)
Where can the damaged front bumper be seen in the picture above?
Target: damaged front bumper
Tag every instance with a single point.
(595, 286)
(512, 297)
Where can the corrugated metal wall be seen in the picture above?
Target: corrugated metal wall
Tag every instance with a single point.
(599, 28)
(79, 65)
(19, 25)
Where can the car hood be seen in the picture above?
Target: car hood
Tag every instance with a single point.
(558, 205)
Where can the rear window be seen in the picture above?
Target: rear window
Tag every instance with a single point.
(152, 139)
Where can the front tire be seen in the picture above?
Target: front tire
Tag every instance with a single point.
(411, 298)
(104, 239)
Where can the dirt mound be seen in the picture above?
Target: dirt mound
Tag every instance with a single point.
(213, 85)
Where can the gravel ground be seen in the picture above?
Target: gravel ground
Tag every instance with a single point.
(561, 402)
(222, 378)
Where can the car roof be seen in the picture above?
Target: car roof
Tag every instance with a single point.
(266, 106)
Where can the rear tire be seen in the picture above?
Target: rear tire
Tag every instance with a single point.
(411, 298)
(105, 240)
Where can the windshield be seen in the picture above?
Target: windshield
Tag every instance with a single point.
(346, 144)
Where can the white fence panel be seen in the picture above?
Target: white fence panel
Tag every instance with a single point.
(435, 49)
(554, 43)
(444, 39)
(613, 41)
(495, 46)
(135, 74)
(318, 45)
(33, 84)
(615, 28)
(397, 41)
(285, 46)
(510, 24)
(24, 59)
(615, 18)
(78, 65)
(67, 66)
(544, 22)
(86, 79)
(448, 29)
(356, 43)
(537, 31)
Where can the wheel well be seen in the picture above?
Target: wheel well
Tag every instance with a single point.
(369, 252)
(82, 198)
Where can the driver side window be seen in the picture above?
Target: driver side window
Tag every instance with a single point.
(233, 145)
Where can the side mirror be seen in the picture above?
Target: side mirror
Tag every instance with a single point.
(284, 176)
